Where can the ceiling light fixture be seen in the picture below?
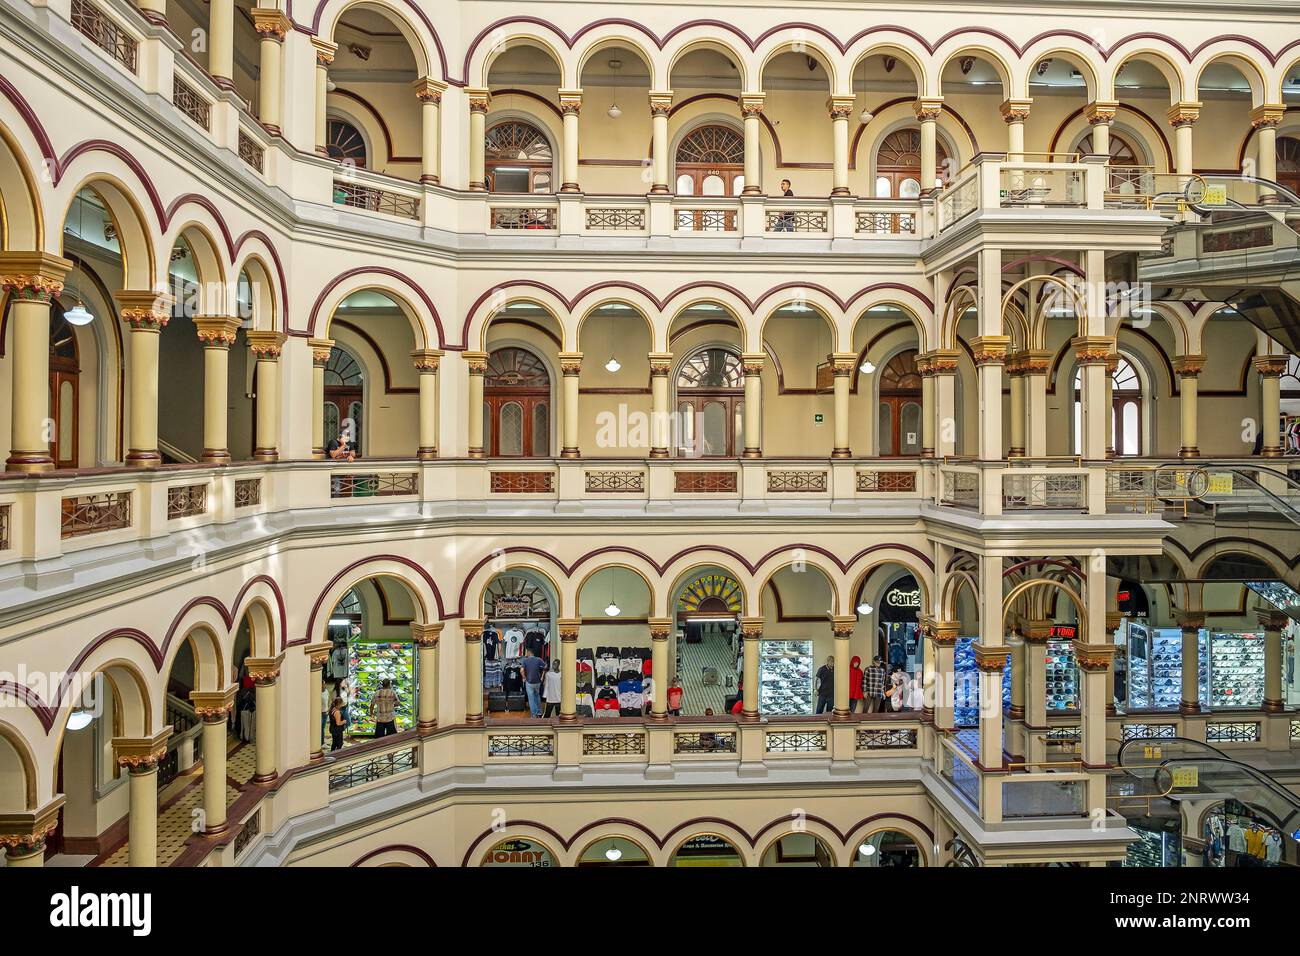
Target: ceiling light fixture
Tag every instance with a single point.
(867, 849)
(613, 365)
(865, 608)
(612, 609)
(613, 111)
(866, 116)
(613, 854)
(80, 719)
(78, 314)
(866, 368)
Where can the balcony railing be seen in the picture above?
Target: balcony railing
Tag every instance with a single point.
(251, 152)
(616, 219)
(94, 24)
(380, 484)
(191, 102)
(706, 220)
(94, 514)
(186, 501)
(869, 222)
(523, 217)
(1044, 491)
(4, 526)
(374, 199)
(796, 220)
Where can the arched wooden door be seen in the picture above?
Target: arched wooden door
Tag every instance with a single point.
(711, 404)
(516, 405)
(518, 159)
(65, 371)
(343, 391)
(900, 406)
(710, 161)
(898, 166)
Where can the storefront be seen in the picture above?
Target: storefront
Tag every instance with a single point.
(1230, 667)
(899, 643)
(1235, 835)
(798, 849)
(364, 657)
(614, 851)
(966, 684)
(1062, 671)
(786, 673)
(519, 852)
(708, 648)
(888, 848)
(518, 612)
(1134, 609)
(707, 849)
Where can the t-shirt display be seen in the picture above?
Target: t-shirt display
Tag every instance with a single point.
(617, 674)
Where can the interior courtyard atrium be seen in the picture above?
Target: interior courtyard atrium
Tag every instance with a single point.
(698, 434)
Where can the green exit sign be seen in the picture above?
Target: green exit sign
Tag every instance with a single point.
(819, 418)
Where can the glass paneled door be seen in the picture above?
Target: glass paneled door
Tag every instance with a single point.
(516, 405)
(711, 404)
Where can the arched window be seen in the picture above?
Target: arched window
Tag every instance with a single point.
(1126, 409)
(518, 159)
(711, 404)
(1288, 162)
(343, 396)
(898, 165)
(344, 143)
(516, 405)
(900, 406)
(710, 161)
(65, 370)
(1129, 174)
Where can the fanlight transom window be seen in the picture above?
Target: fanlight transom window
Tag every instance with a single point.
(719, 145)
(342, 369)
(516, 368)
(712, 368)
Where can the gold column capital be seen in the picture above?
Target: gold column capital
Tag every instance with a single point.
(426, 360)
(426, 635)
(661, 102)
(1190, 620)
(472, 628)
(1101, 112)
(1093, 657)
(1015, 110)
(270, 24)
(325, 51)
(943, 633)
(751, 628)
(429, 90)
(568, 628)
(33, 276)
(570, 363)
(928, 108)
(660, 628)
(143, 310)
(753, 362)
(990, 349)
(1267, 115)
(839, 107)
(141, 754)
(570, 101)
(212, 706)
(475, 361)
(661, 363)
(991, 660)
(217, 331)
(266, 345)
(942, 361)
(478, 98)
(843, 625)
(320, 350)
(1036, 631)
(1092, 349)
(317, 654)
(25, 831)
(1270, 366)
(264, 671)
(1183, 113)
(1189, 366)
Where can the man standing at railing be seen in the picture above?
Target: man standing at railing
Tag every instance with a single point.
(785, 222)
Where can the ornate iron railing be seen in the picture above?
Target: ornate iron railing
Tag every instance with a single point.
(885, 223)
(191, 102)
(1148, 731)
(251, 828)
(382, 484)
(1232, 732)
(958, 201)
(90, 21)
(903, 738)
(250, 151)
(91, 514)
(961, 489)
(523, 217)
(520, 745)
(781, 482)
(372, 199)
(796, 220)
(795, 741)
(705, 482)
(616, 219)
(614, 482)
(705, 742)
(611, 745)
(706, 220)
(886, 481)
(1043, 491)
(186, 501)
(522, 482)
(372, 768)
(248, 492)
(4, 527)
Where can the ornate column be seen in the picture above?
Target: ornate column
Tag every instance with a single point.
(155, 11)
(23, 835)
(751, 112)
(990, 661)
(426, 366)
(476, 362)
(146, 313)
(1113, 621)
(661, 104)
(570, 369)
(840, 109)
(751, 629)
(426, 637)
(140, 757)
(661, 365)
(1100, 114)
(943, 639)
(221, 43)
(1274, 697)
(473, 631)
(1094, 662)
(217, 334)
(1036, 635)
(1036, 364)
(1265, 120)
(1182, 117)
(320, 356)
(1017, 709)
(324, 57)
(753, 416)
(1188, 367)
(1014, 113)
(271, 26)
(1270, 368)
(943, 369)
(266, 347)
(1112, 364)
(570, 108)
(317, 656)
(31, 281)
(1191, 624)
(568, 628)
(842, 626)
(1015, 371)
(989, 352)
(478, 100)
(265, 672)
(842, 364)
(213, 709)
(429, 92)
(928, 109)
(1092, 352)
(660, 629)
(926, 372)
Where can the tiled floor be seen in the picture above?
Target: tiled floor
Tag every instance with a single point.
(713, 651)
(180, 803)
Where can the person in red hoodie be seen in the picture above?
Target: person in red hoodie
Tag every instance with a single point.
(855, 685)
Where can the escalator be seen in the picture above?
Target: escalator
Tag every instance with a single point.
(1246, 490)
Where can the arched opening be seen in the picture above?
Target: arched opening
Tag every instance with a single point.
(518, 158)
(344, 143)
(614, 673)
(617, 337)
(797, 382)
(711, 403)
(898, 166)
(1126, 412)
(707, 652)
(344, 403)
(1128, 171)
(708, 850)
(65, 378)
(614, 851)
(796, 655)
(709, 161)
(516, 405)
(888, 848)
(519, 851)
(899, 410)
(798, 849)
(523, 131)
(519, 611)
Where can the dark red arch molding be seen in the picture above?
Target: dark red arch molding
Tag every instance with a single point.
(398, 848)
(373, 559)
(383, 271)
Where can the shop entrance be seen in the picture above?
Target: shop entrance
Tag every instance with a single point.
(898, 641)
(519, 615)
(708, 649)
(888, 848)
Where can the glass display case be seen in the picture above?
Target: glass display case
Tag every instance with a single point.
(966, 685)
(1062, 676)
(1155, 667)
(785, 678)
(370, 662)
(1237, 669)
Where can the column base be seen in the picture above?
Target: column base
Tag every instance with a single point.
(318, 454)
(223, 82)
(837, 714)
(1189, 708)
(842, 453)
(751, 190)
(657, 718)
(219, 829)
(1111, 711)
(1189, 452)
(316, 756)
(658, 452)
(474, 720)
(568, 718)
(266, 454)
(752, 453)
(426, 727)
(927, 452)
(143, 458)
(477, 187)
(218, 456)
(840, 191)
(749, 716)
(1015, 712)
(1272, 706)
(430, 179)
(426, 454)
(264, 777)
(476, 453)
(273, 130)
(659, 189)
(1271, 451)
(570, 453)
(29, 461)
(1016, 451)
(570, 188)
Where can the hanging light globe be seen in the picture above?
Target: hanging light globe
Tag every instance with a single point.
(80, 719)
(613, 610)
(866, 368)
(613, 365)
(867, 849)
(78, 315)
(864, 608)
(613, 854)
(866, 116)
(613, 111)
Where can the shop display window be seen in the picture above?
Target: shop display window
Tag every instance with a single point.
(1155, 667)
(371, 662)
(786, 678)
(1154, 847)
(1237, 669)
(966, 685)
(888, 848)
(1236, 836)
(1062, 675)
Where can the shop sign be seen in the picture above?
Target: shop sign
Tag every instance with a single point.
(518, 851)
(705, 843)
(512, 607)
(1066, 631)
(900, 598)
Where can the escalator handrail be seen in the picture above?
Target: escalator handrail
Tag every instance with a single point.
(1280, 504)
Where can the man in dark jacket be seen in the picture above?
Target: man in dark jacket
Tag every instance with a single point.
(826, 686)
